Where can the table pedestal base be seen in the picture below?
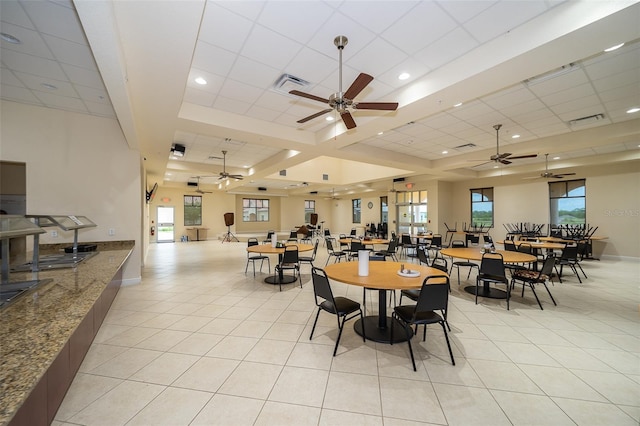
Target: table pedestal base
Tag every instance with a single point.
(274, 279)
(490, 292)
(378, 334)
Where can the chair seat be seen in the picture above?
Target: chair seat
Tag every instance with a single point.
(259, 257)
(343, 306)
(491, 278)
(405, 312)
(529, 275)
(465, 263)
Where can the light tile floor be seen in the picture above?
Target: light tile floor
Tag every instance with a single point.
(198, 342)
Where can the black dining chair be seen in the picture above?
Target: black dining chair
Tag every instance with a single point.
(462, 263)
(434, 296)
(531, 277)
(339, 306)
(251, 257)
(569, 257)
(337, 254)
(492, 271)
(390, 251)
(289, 262)
(312, 258)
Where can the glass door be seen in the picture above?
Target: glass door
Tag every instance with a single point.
(165, 225)
(412, 212)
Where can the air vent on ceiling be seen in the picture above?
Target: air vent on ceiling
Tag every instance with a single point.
(465, 146)
(399, 179)
(552, 74)
(288, 82)
(313, 192)
(325, 177)
(192, 183)
(283, 172)
(582, 121)
(262, 188)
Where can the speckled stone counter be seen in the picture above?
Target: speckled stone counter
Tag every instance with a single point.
(55, 321)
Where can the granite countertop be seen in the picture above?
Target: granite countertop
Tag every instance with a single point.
(35, 327)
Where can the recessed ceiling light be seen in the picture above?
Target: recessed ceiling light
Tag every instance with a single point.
(9, 38)
(380, 133)
(457, 105)
(632, 110)
(404, 76)
(48, 86)
(445, 152)
(495, 167)
(516, 136)
(200, 80)
(329, 118)
(612, 48)
(556, 158)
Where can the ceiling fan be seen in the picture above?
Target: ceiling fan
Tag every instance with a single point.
(342, 101)
(198, 190)
(547, 174)
(223, 173)
(504, 158)
(333, 195)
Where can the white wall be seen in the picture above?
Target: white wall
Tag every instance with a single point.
(77, 164)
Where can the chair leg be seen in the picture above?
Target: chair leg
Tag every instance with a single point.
(362, 322)
(393, 320)
(407, 329)
(314, 324)
(341, 325)
(534, 293)
(552, 299)
(446, 337)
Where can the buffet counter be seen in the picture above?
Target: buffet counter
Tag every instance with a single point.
(45, 334)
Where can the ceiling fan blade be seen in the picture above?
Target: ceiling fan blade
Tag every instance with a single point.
(533, 177)
(309, 96)
(564, 174)
(504, 161)
(358, 85)
(384, 106)
(238, 177)
(523, 156)
(312, 116)
(501, 156)
(348, 120)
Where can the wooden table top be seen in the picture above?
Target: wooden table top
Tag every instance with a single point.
(541, 244)
(269, 249)
(382, 275)
(475, 253)
(564, 240)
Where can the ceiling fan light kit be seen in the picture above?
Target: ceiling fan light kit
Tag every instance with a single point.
(342, 102)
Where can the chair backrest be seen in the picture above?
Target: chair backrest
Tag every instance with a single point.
(440, 263)
(569, 252)
(327, 232)
(293, 234)
(509, 245)
(492, 264)
(353, 232)
(547, 266)
(434, 295)
(393, 244)
(321, 286)
(252, 242)
(329, 245)
(315, 250)
(377, 258)
(423, 257)
(406, 239)
(356, 246)
(436, 240)
(457, 243)
(269, 235)
(472, 239)
(487, 239)
(290, 254)
(525, 248)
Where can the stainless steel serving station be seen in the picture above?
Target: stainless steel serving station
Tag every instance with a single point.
(14, 226)
(71, 256)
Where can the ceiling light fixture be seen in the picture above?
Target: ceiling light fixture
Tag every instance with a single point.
(612, 48)
(178, 150)
(200, 80)
(329, 118)
(380, 133)
(516, 136)
(9, 38)
(457, 105)
(632, 110)
(49, 86)
(556, 158)
(404, 76)
(552, 74)
(445, 152)
(586, 120)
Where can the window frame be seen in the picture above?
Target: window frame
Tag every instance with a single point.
(309, 208)
(253, 206)
(490, 198)
(569, 186)
(195, 203)
(356, 210)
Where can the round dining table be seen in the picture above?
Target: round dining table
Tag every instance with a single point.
(538, 245)
(269, 249)
(475, 253)
(382, 276)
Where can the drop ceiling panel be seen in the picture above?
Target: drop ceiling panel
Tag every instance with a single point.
(32, 42)
(259, 47)
(303, 18)
(53, 19)
(224, 28)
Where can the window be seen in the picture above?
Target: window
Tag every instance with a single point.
(355, 210)
(567, 202)
(309, 207)
(254, 210)
(482, 207)
(192, 210)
